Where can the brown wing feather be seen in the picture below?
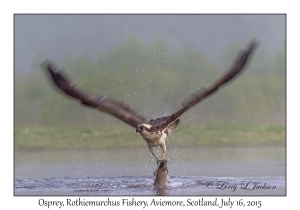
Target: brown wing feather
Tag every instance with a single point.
(172, 126)
(200, 95)
(113, 107)
(157, 124)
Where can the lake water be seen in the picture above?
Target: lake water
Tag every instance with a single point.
(193, 171)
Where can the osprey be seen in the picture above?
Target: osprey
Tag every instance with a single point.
(154, 131)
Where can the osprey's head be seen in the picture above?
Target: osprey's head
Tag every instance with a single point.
(141, 127)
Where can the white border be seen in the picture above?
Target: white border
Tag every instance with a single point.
(8, 8)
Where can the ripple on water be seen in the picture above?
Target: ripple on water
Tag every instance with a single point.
(131, 185)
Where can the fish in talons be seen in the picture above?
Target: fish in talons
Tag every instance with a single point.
(161, 175)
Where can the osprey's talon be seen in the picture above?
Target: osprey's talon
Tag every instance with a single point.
(163, 160)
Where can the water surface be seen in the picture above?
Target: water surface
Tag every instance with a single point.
(193, 171)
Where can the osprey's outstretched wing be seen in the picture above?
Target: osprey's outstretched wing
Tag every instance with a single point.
(113, 107)
(200, 95)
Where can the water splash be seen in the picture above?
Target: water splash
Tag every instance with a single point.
(143, 185)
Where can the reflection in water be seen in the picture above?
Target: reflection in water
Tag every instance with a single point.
(161, 191)
(193, 171)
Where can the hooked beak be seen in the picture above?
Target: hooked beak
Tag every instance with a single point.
(138, 129)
